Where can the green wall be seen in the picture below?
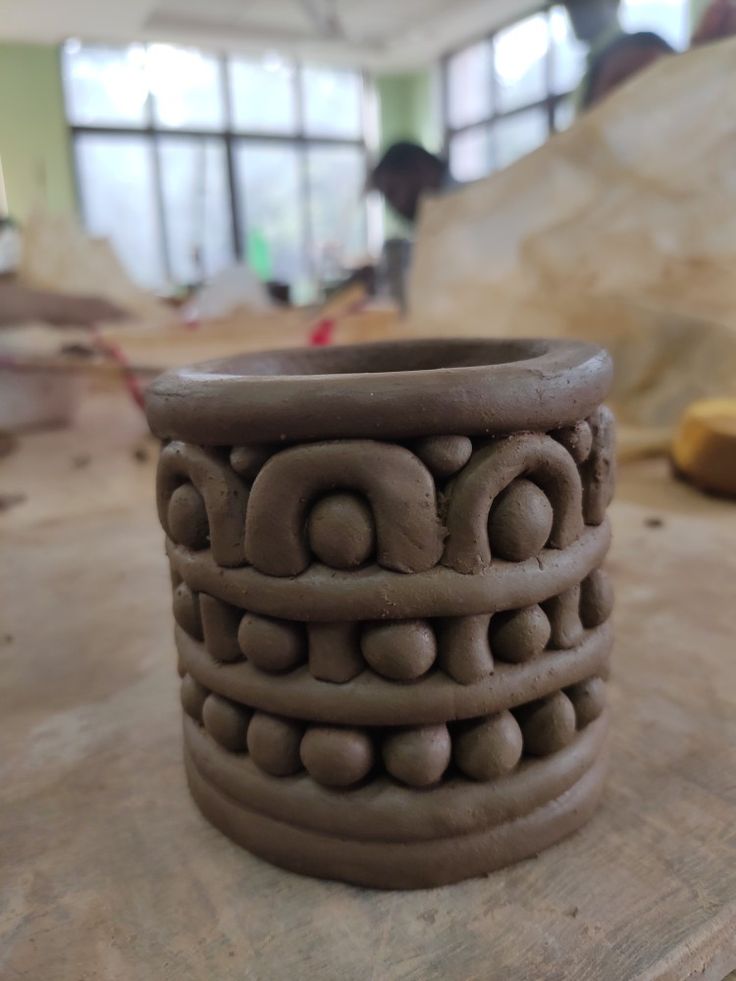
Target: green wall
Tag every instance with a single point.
(34, 141)
(408, 110)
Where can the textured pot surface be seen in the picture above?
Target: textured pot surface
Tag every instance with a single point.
(391, 619)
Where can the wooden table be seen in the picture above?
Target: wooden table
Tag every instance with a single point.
(109, 872)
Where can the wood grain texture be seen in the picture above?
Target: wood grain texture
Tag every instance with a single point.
(109, 872)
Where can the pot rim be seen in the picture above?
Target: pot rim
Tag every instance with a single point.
(466, 386)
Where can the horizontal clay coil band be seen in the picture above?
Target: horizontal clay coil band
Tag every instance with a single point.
(371, 700)
(381, 391)
(399, 865)
(328, 595)
(382, 810)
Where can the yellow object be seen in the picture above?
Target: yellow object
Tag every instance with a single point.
(704, 448)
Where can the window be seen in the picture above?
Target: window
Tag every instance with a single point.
(668, 18)
(187, 160)
(506, 93)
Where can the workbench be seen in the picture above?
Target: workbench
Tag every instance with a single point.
(109, 871)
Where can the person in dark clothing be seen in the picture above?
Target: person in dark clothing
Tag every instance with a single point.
(623, 57)
(406, 172)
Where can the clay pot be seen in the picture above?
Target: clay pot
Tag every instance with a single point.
(391, 620)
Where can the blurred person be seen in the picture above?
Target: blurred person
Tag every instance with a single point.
(595, 22)
(621, 58)
(719, 20)
(405, 173)
(615, 56)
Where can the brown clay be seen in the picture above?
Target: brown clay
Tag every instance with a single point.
(589, 700)
(577, 440)
(391, 620)
(443, 455)
(273, 743)
(341, 532)
(563, 612)
(520, 522)
(193, 696)
(186, 610)
(548, 725)
(372, 700)
(226, 722)
(220, 623)
(465, 651)
(187, 518)
(334, 651)
(599, 470)
(272, 645)
(418, 757)
(490, 748)
(383, 809)
(402, 651)
(336, 757)
(596, 598)
(519, 635)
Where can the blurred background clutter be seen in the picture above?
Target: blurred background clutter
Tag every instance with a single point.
(180, 181)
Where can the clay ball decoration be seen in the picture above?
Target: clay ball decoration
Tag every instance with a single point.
(520, 522)
(193, 697)
(596, 599)
(519, 635)
(226, 722)
(402, 650)
(489, 748)
(248, 460)
(577, 440)
(589, 699)
(341, 531)
(187, 518)
(336, 757)
(272, 645)
(548, 725)
(418, 757)
(186, 611)
(273, 742)
(444, 455)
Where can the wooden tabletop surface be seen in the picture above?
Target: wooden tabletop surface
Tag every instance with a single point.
(109, 872)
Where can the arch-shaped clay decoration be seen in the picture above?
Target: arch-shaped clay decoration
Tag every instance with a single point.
(397, 485)
(224, 494)
(490, 470)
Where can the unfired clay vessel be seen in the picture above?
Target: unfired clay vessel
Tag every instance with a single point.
(391, 619)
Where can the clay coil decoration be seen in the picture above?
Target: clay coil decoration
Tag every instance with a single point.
(392, 622)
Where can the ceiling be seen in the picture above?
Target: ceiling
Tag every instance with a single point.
(388, 35)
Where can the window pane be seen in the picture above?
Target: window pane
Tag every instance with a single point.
(518, 135)
(471, 155)
(196, 207)
(186, 86)
(332, 102)
(105, 85)
(568, 54)
(669, 18)
(268, 179)
(337, 206)
(262, 95)
(119, 203)
(470, 85)
(519, 63)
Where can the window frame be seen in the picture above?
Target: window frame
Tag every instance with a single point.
(549, 102)
(152, 132)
